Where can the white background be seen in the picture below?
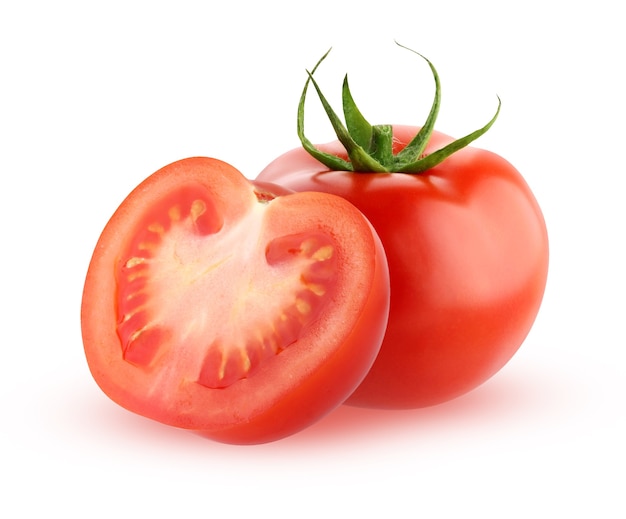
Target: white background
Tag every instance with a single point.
(96, 96)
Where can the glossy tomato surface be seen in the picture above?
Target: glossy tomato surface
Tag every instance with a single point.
(212, 304)
(467, 248)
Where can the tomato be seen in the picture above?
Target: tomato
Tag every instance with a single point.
(465, 240)
(233, 308)
(467, 251)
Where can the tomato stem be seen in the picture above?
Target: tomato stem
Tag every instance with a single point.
(370, 147)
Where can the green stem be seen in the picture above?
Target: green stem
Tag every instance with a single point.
(332, 161)
(370, 148)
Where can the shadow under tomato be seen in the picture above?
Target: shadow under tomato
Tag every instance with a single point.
(510, 396)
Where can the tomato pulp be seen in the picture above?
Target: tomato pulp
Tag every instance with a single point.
(467, 249)
(233, 308)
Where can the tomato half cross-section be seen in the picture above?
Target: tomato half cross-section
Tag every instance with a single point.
(465, 239)
(233, 308)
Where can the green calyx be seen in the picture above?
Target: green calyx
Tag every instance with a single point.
(370, 148)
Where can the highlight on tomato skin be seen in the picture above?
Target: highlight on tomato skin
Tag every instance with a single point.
(240, 310)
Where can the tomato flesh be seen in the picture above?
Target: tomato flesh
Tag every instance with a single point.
(213, 305)
(181, 256)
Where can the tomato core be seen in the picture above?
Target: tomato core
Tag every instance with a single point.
(263, 293)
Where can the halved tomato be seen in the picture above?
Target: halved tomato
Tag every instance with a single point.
(232, 308)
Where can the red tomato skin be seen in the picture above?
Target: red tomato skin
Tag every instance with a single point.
(467, 248)
(296, 387)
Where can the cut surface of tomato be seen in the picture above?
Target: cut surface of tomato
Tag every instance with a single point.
(215, 305)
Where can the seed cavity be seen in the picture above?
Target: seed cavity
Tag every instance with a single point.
(317, 288)
(174, 213)
(198, 208)
(323, 253)
(303, 306)
(245, 360)
(147, 246)
(156, 228)
(135, 335)
(137, 275)
(133, 262)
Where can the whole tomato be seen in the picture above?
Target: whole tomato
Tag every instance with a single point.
(465, 240)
